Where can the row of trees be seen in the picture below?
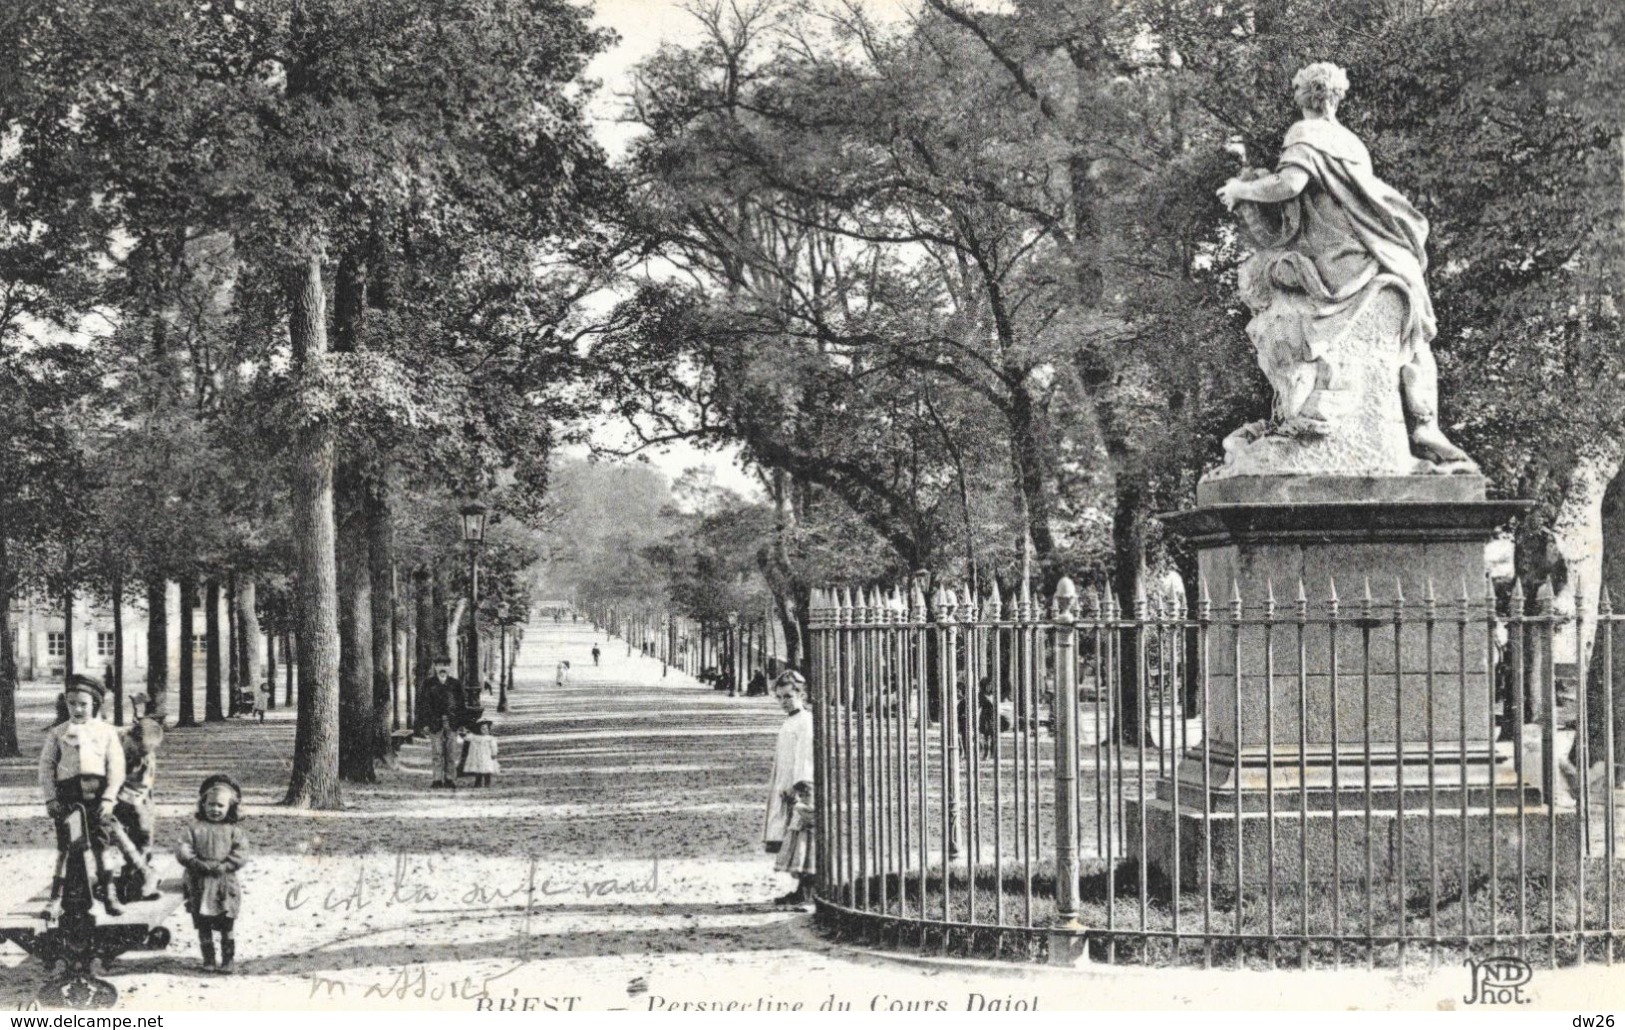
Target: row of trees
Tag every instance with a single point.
(281, 282)
(958, 287)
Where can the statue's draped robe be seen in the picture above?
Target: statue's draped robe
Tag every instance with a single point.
(1323, 253)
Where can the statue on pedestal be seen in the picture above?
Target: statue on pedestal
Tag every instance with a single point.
(1342, 319)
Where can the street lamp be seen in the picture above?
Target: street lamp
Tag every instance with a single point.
(473, 537)
(733, 654)
(502, 670)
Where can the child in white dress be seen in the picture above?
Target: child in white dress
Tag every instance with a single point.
(482, 755)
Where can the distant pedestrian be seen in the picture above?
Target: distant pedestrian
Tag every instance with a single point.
(262, 700)
(480, 760)
(791, 787)
(212, 851)
(987, 716)
(595, 654)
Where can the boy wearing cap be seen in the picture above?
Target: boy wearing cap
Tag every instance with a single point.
(82, 763)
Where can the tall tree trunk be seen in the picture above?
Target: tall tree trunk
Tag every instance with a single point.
(440, 641)
(314, 782)
(213, 711)
(1031, 476)
(290, 662)
(158, 641)
(188, 714)
(381, 555)
(248, 632)
(423, 590)
(1605, 694)
(8, 659)
(270, 672)
(234, 647)
(67, 616)
(355, 631)
(353, 489)
(1127, 555)
(117, 686)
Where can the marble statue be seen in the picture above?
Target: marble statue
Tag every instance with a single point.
(1342, 319)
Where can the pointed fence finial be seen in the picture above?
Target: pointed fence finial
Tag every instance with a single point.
(969, 606)
(916, 603)
(1519, 596)
(1605, 604)
(1544, 597)
(994, 606)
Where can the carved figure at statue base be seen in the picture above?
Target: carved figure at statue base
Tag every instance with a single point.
(1342, 320)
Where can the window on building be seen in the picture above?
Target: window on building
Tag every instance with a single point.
(56, 645)
(104, 645)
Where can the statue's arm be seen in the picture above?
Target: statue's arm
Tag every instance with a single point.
(1271, 189)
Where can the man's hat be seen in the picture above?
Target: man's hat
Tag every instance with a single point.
(85, 685)
(440, 659)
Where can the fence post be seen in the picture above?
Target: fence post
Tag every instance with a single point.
(1067, 939)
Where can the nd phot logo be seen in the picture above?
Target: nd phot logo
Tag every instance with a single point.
(1498, 980)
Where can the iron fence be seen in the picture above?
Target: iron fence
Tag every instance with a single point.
(1373, 781)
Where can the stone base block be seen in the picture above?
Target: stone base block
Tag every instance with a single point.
(1412, 841)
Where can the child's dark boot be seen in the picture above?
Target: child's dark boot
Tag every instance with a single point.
(108, 896)
(228, 954)
(205, 939)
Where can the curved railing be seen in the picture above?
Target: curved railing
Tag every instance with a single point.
(1242, 784)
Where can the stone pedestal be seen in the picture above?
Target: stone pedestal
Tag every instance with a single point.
(1386, 706)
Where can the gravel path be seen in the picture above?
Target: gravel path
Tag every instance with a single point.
(615, 864)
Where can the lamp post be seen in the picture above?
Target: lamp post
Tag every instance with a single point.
(502, 670)
(733, 654)
(473, 537)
